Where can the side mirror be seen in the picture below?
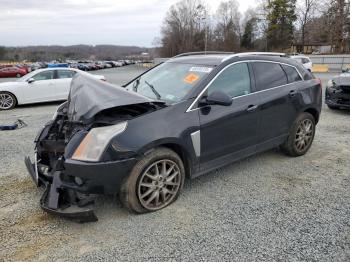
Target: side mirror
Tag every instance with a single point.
(31, 80)
(217, 98)
(344, 70)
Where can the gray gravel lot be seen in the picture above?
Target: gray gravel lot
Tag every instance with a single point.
(268, 207)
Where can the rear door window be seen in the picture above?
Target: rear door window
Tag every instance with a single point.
(62, 74)
(292, 74)
(268, 75)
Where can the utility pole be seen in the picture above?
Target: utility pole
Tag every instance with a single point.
(206, 37)
(206, 32)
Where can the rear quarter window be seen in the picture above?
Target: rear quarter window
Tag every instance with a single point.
(292, 74)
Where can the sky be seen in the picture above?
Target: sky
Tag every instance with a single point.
(91, 22)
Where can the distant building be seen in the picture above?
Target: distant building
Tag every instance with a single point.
(309, 48)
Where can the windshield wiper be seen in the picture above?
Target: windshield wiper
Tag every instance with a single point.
(137, 81)
(154, 90)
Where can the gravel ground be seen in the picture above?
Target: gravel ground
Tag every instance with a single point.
(268, 207)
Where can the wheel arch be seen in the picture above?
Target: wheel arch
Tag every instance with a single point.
(314, 112)
(11, 93)
(178, 149)
(183, 154)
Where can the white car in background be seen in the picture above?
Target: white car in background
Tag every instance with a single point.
(42, 85)
(304, 60)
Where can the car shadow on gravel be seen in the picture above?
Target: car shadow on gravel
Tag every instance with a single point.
(231, 174)
(26, 106)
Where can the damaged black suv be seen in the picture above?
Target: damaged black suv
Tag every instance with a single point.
(182, 118)
(337, 93)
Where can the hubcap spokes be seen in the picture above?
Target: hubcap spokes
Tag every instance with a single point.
(159, 184)
(6, 101)
(304, 134)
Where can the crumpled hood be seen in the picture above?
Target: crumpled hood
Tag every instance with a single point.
(342, 80)
(89, 96)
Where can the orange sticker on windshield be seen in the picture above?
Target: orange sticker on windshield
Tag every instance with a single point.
(191, 78)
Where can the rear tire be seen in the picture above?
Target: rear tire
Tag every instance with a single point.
(300, 135)
(18, 75)
(7, 101)
(154, 183)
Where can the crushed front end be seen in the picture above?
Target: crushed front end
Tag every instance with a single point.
(74, 158)
(64, 195)
(338, 92)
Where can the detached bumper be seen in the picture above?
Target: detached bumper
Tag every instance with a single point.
(66, 197)
(79, 213)
(59, 200)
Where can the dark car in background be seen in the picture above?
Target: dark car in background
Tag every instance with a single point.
(183, 118)
(83, 67)
(337, 93)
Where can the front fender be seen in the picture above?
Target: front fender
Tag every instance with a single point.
(14, 90)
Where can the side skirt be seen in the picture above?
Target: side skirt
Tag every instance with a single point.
(236, 156)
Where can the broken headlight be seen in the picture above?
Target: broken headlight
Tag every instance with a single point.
(96, 141)
(59, 108)
(332, 84)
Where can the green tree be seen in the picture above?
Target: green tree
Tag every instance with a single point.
(184, 28)
(248, 35)
(228, 29)
(280, 19)
(2, 53)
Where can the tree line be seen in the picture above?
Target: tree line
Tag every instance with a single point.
(77, 52)
(273, 25)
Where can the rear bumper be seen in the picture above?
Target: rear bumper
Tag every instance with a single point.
(64, 197)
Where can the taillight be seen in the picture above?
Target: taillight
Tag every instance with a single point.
(319, 82)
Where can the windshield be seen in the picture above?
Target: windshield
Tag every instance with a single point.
(169, 82)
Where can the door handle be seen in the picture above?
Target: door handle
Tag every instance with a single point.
(252, 108)
(292, 93)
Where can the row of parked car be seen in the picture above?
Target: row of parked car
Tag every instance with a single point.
(19, 70)
(90, 65)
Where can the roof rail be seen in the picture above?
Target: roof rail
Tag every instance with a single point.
(203, 53)
(255, 53)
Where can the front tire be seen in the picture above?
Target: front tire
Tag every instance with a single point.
(7, 101)
(154, 183)
(300, 135)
